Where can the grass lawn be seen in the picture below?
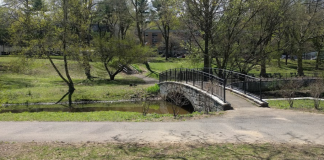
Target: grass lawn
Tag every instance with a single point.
(128, 151)
(114, 116)
(301, 105)
(291, 67)
(160, 64)
(38, 82)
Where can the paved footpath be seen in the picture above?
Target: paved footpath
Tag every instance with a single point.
(246, 123)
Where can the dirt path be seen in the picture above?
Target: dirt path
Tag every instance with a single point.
(147, 80)
(246, 123)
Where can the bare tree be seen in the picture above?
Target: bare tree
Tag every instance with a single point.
(288, 91)
(317, 88)
(176, 96)
(146, 106)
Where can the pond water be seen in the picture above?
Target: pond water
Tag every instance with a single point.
(159, 107)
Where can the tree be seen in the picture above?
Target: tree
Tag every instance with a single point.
(140, 17)
(304, 23)
(318, 44)
(176, 96)
(316, 90)
(289, 89)
(114, 15)
(116, 53)
(4, 26)
(39, 32)
(165, 19)
(231, 35)
(201, 16)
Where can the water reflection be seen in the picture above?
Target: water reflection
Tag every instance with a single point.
(159, 107)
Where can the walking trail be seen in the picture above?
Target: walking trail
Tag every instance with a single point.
(246, 123)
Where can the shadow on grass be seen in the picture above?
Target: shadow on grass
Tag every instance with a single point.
(101, 82)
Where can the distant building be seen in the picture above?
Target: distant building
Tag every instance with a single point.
(155, 38)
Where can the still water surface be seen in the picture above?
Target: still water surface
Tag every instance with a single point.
(159, 107)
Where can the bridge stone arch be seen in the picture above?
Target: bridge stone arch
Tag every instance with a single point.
(198, 98)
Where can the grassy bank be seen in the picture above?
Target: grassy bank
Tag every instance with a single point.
(37, 81)
(301, 105)
(57, 150)
(114, 116)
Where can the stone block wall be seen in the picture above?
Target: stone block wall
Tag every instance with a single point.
(199, 99)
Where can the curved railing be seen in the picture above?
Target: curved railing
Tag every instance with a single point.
(200, 79)
(215, 81)
(243, 83)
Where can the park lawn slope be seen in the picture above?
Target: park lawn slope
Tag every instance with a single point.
(38, 82)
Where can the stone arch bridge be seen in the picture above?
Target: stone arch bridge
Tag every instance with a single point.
(205, 89)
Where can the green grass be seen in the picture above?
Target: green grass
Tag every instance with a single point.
(154, 89)
(302, 105)
(160, 64)
(114, 116)
(291, 67)
(128, 151)
(38, 82)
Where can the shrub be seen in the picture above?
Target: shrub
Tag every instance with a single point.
(153, 89)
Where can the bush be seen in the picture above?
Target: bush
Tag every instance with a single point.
(153, 89)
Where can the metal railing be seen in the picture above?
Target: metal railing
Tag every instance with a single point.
(243, 83)
(195, 77)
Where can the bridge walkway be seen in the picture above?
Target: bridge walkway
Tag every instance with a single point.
(238, 102)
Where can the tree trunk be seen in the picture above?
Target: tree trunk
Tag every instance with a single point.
(87, 67)
(166, 48)
(300, 70)
(317, 59)
(71, 91)
(263, 71)
(112, 77)
(206, 53)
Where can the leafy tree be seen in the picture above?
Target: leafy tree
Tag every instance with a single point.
(318, 44)
(165, 18)
(117, 53)
(140, 17)
(39, 32)
(231, 35)
(114, 15)
(305, 23)
(202, 16)
(4, 26)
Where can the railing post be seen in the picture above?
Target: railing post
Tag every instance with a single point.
(193, 77)
(186, 75)
(202, 80)
(244, 84)
(160, 77)
(260, 85)
(181, 75)
(224, 89)
(175, 75)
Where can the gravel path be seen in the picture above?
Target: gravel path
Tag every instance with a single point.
(246, 123)
(147, 80)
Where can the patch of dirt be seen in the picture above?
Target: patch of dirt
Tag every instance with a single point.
(147, 80)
